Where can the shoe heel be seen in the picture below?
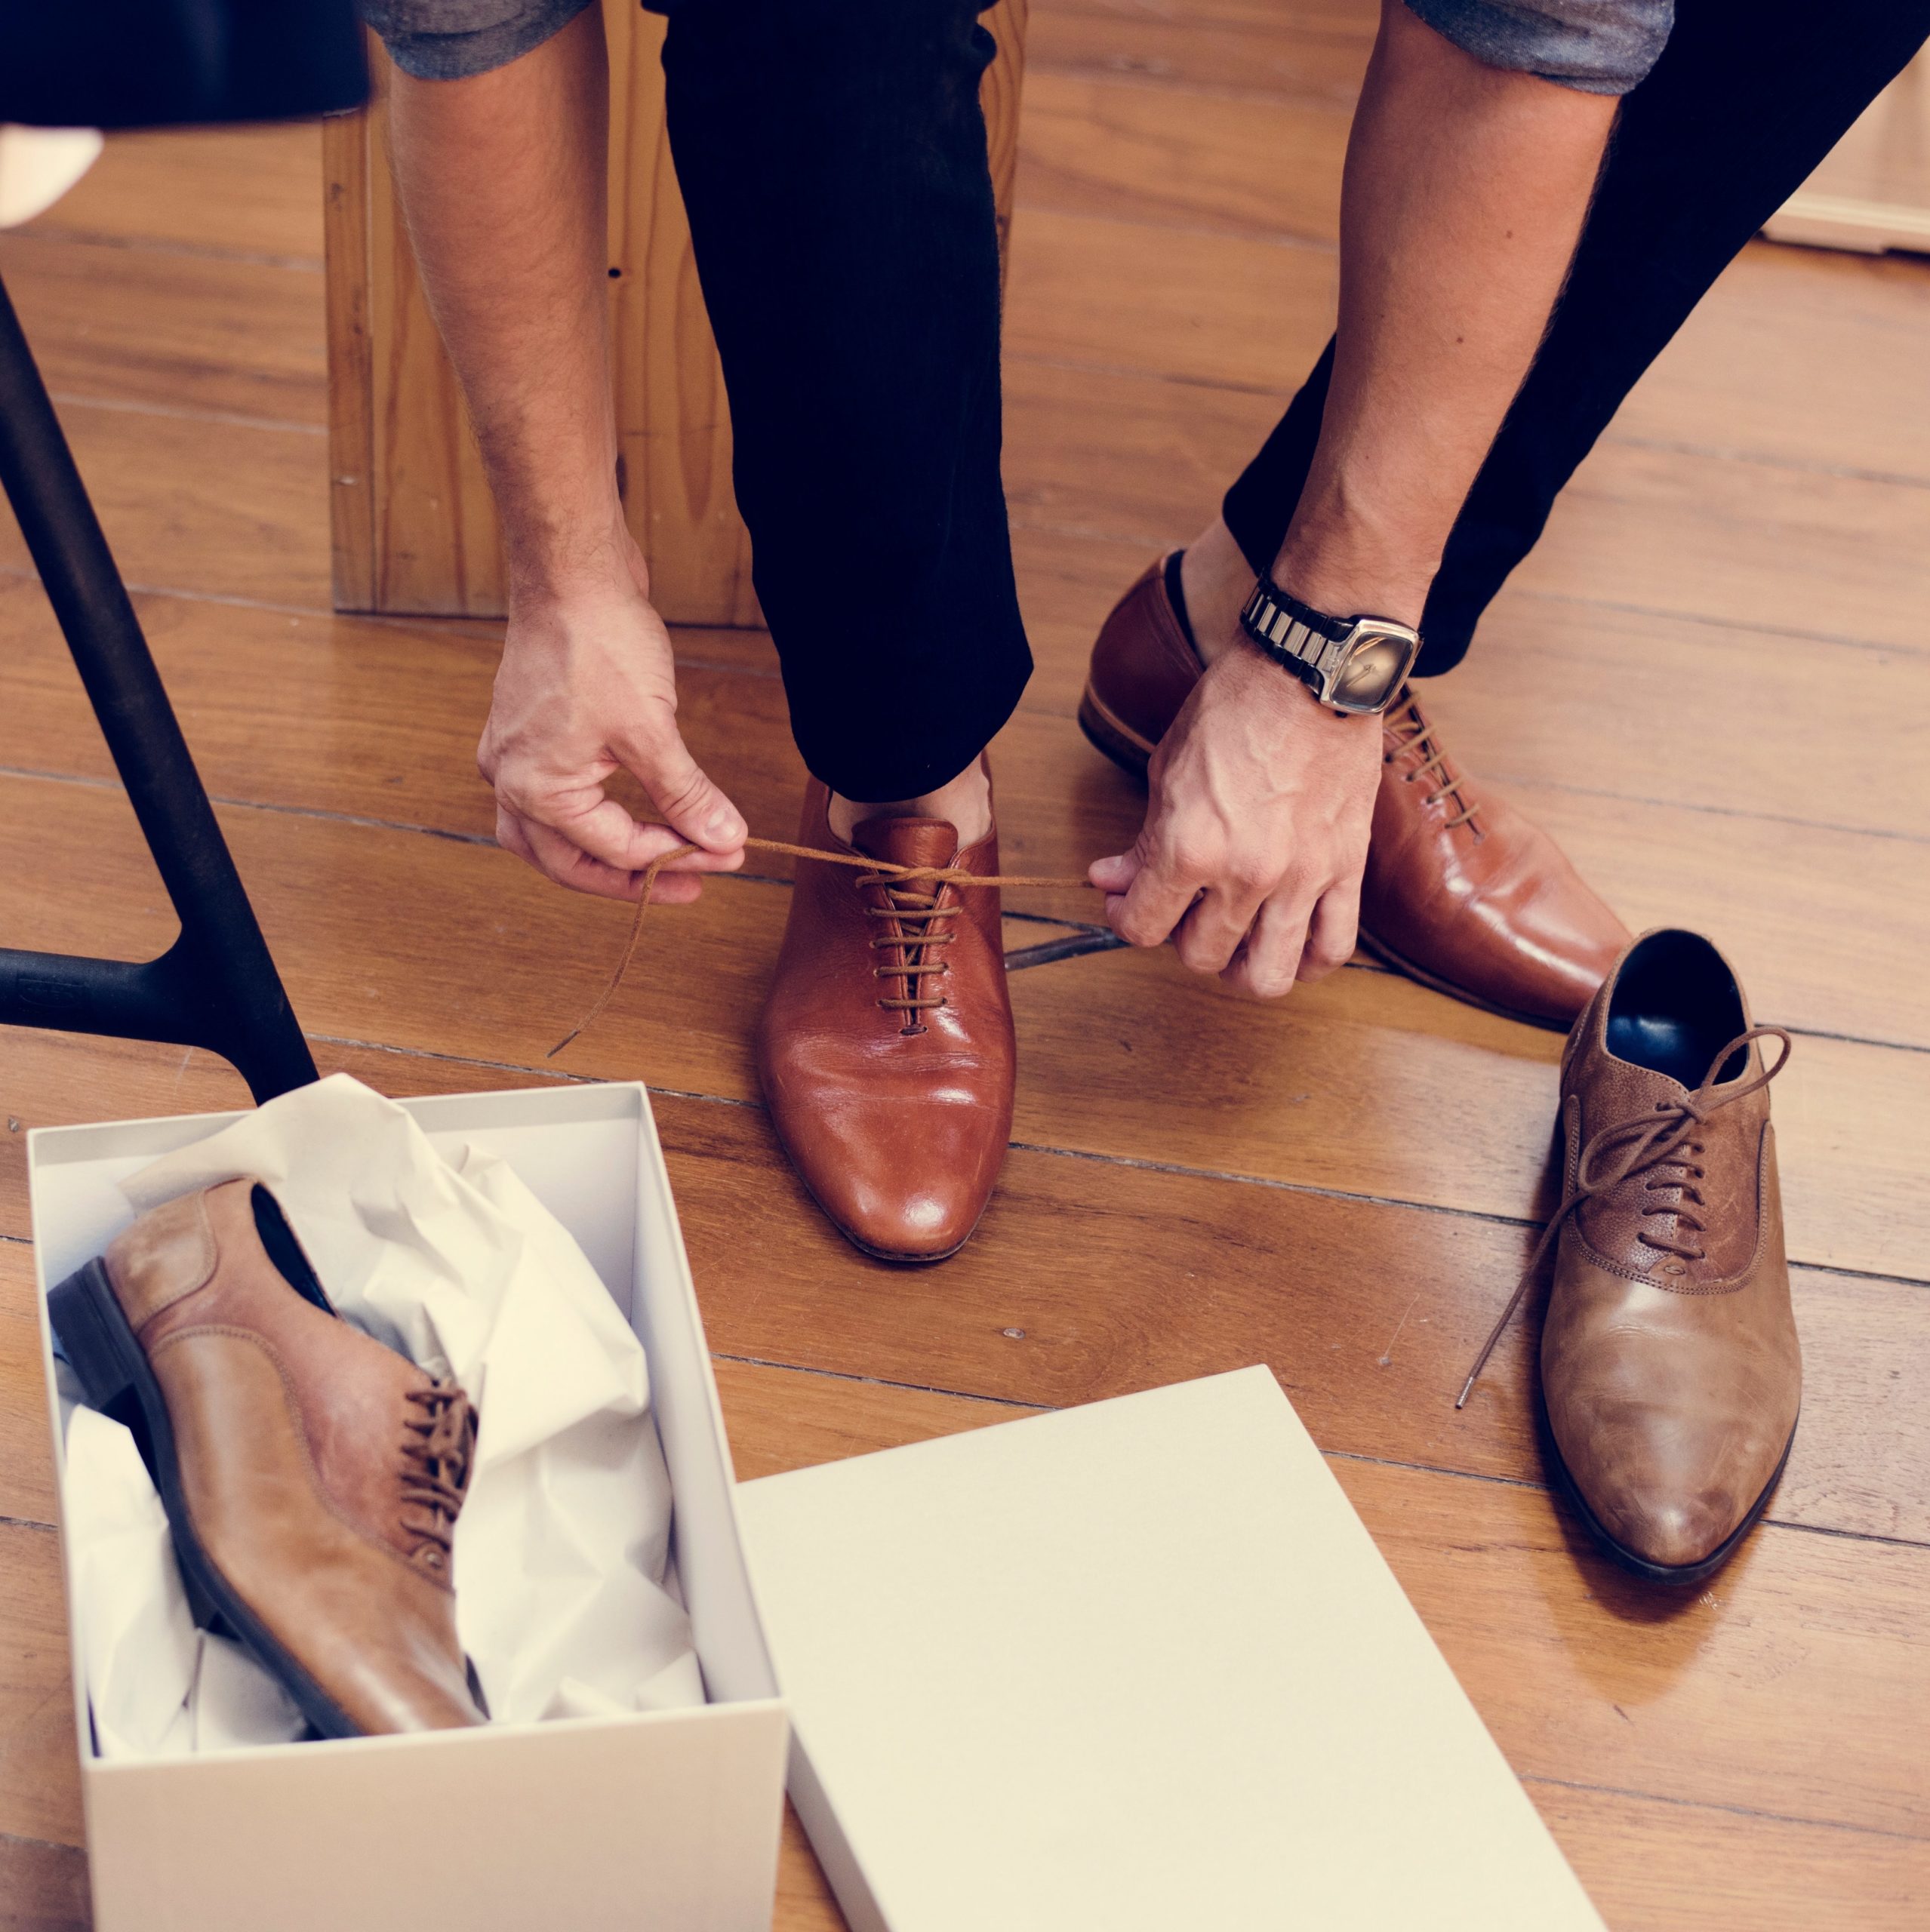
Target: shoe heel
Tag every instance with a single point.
(1105, 736)
(93, 1334)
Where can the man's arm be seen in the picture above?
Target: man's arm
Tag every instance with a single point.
(1465, 189)
(502, 177)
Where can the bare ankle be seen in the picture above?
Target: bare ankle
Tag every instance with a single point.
(1216, 580)
(965, 802)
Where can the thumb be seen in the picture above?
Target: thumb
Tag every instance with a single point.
(694, 806)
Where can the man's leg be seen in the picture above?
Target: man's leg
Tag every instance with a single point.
(832, 154)
(1745, 101)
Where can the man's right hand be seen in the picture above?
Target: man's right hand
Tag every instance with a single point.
(588, 685)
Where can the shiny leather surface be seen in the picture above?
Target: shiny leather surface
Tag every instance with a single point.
(1461, 891)
(896, 1120)
(290, 1427)
(1672, 1380)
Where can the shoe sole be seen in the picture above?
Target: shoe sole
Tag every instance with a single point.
(103, 1351)
(1110, 734)
(1679, 1576)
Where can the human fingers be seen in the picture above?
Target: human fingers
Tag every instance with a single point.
(1212, 931)
(694, 806)
(567, 864)
(1333, 931)
(1267, 965)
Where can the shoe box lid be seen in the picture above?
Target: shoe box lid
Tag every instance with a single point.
(1131, 1666)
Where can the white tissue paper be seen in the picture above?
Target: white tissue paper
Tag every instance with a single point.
(565, 1598)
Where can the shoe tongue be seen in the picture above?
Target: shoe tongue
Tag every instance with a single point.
(907, 842)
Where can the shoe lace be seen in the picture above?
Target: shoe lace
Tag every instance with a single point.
(1661, 1145)
(1408, 726)
(439, 1445)
(914, 900)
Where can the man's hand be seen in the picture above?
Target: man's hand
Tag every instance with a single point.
(588, 684)
(1256, 831)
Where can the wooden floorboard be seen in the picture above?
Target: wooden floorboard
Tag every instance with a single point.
(1678, 684)
(1364, 1083)
(1202, 1277)
(170, 330)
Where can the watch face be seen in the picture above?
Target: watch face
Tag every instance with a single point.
(1373, 672)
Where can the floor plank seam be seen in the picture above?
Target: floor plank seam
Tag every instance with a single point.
(1339, 112)
(1707, 810)
(1896, 479)
(1715, 1804)
(150, 245)
(127, 406)
(883, 1381)
(326, 813)
(1279, 238)
(1750, 626)
(1448, 1471)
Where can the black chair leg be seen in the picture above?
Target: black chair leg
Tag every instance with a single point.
(217, 985)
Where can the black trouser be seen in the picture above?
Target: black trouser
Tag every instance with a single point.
(1748, 97)
(832, 155)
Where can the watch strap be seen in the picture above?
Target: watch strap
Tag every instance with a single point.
(1285, 628)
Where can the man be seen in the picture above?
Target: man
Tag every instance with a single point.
(832, 158)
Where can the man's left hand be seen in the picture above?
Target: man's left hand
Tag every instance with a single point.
(1256, 831)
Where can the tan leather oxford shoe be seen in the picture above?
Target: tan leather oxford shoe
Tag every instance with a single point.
(1461, 892)
(1670, 1365)
(312, 1477)
(885, 1049)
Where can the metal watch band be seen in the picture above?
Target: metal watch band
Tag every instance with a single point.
(1287, 629)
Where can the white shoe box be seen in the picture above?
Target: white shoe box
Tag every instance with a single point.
(1117, 1669)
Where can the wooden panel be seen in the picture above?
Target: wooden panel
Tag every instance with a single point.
(253, 193)
(1367, 1312)
(432, 944)
(378, 718)
(1108, 454)
(1789, 357)
(414, 530)
(40, 1796)
(1131, 149)
(1315, 53)
(166, 329)
(223, 508)
(43, 1888)
(1662, 1868)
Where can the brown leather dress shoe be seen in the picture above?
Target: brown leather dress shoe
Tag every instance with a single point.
(1461, 892)
(1670, 1365)
(885, 1049)
(312, 1477)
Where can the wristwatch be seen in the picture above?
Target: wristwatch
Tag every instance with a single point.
(1356, 665)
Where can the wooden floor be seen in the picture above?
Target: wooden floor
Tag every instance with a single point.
(1711, 680)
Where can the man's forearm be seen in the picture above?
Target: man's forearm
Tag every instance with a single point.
(503, 178)
(1465, 192)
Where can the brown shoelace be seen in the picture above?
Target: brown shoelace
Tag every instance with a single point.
(916, 915)
(1644, 1144)
(900, 881)
(1419, 737)
(438, 1443)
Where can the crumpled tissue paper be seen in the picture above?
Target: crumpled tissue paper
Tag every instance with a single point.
(565, 1599)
